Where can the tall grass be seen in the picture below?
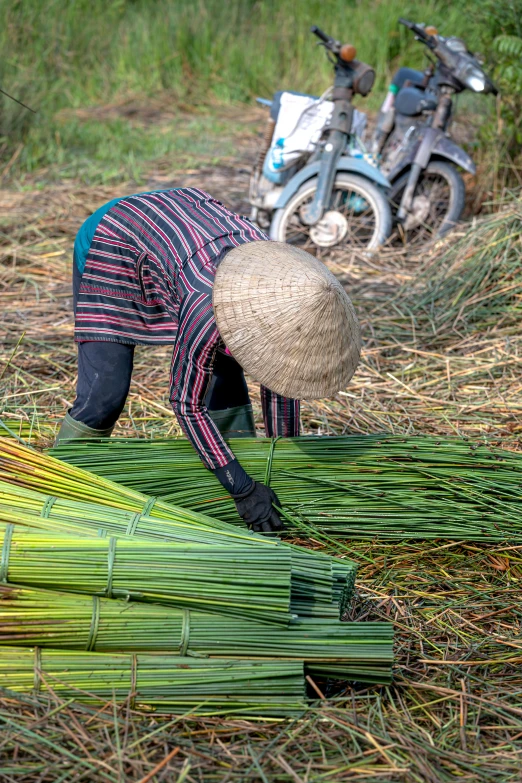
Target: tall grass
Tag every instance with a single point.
(68, 54)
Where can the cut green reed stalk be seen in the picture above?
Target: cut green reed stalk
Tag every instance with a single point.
(27, 467)
(62, 514)
(33, 617)
(473, 286)
(57, 478)
(160, 683)
(246, 581)
(34, 472)
(317, 588)
(359, 486)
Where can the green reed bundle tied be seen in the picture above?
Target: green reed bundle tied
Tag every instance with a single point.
(363, 486)
(29, 617)
(319, 585)
(28, 468)
(245, 581)
(52, 512)
(56, 492)
(59, 480)
(163, 683)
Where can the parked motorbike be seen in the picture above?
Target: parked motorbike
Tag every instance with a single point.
(313, 186)
(413, 138)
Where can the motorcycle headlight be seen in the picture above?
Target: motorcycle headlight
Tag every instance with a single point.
(456, 45)
(476, 80)
(363, 78)
(473, 77)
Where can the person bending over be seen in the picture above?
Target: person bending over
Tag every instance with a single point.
(177, 267)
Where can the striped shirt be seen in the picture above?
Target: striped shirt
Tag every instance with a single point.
(149, 263)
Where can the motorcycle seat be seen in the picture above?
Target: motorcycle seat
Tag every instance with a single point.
(411, 101)
(404, 75)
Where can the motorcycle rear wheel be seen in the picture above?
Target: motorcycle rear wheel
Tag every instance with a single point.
(358, 211)
(440, 195)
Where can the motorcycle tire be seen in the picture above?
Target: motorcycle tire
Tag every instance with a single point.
(451, 216)
(375, 207)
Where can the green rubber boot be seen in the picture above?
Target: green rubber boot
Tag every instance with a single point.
(71, 429)
(235, 422)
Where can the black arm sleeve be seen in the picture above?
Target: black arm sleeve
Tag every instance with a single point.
(233, 478)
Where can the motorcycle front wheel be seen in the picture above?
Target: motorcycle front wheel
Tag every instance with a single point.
(438, 203)
(358, 217)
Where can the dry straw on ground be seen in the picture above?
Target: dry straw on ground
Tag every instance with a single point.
(454, 710)
(460, 383)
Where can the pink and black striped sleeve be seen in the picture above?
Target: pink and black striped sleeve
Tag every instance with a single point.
(280, 414)
(192, 363)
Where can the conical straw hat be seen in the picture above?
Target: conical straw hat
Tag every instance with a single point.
(286, 319)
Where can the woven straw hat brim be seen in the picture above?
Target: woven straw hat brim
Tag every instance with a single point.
(286, 319)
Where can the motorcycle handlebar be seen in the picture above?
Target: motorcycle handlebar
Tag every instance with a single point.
(419, 31)
(438, 46)
(319, 33)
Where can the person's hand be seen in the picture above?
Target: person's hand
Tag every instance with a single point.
(256, 508)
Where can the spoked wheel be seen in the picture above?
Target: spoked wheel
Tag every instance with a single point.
(358, 217)
(438, 203)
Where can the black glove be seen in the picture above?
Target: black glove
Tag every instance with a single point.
(253, 500)
(256, 509)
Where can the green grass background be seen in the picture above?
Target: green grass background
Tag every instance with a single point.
(60, 57)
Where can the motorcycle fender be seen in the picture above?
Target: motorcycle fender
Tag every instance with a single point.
(425, 149)
(445, 148)
(433, 144)
(404, 163)
(346, 163)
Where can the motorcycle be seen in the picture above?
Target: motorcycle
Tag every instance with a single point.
(311, 184)
(413, 141)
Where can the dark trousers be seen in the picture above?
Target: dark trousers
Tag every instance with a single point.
(105, 371)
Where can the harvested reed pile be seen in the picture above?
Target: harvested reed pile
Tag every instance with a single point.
(34, 617)
(360, 486)
(454, 710)
(245, 581)
(162, 683)
(26, 471)
(473, 286)
(321, 585)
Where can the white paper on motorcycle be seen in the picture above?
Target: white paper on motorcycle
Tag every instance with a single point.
(300, 123)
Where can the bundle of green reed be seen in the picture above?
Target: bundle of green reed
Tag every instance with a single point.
(162, 683)
(28, 468)
(52, 512)
(319, 586)
(361, 486)
(237, 580)
(78, 501)
(33, 617)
